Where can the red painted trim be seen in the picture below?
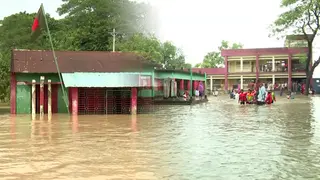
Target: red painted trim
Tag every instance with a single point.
(257, 69)
(13, 94)
(262, 51)
(188, 85)
(290, 72)
(226, 73)
(74, 100)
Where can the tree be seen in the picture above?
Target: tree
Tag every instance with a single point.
(15, 32)
(302, 16)
(214, 59)
(166, 54)
(87, 25)
(92, 22)
(172, 56)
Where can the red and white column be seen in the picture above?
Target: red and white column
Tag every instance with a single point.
(41, 95)
(134, 97)
(74, 100)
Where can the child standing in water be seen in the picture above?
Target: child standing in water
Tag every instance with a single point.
(242, 97)
(250, 97)
(236, 95)
(290, 95)
(269, 98)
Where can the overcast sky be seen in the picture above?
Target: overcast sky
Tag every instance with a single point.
(196, 26)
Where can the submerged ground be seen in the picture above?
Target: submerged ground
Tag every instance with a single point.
(217, 140)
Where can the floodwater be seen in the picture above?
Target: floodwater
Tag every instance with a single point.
(219, 140)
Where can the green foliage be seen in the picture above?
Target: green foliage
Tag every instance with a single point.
(166, 54)
(214, 59)
(301, 17)
(87, 25)
(4, 77)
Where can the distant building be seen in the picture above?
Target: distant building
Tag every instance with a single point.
(243, 67)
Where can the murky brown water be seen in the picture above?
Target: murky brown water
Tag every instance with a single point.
(219, 140)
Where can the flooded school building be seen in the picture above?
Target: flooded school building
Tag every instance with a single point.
(95, 82)
(244, 67)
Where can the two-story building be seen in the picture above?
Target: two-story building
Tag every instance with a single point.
(268, 65)
(244, 67)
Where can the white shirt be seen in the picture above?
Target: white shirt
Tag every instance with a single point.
(237, 96)
(197, 93)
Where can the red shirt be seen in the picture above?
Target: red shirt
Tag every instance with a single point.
(243, 97)
(269, 99)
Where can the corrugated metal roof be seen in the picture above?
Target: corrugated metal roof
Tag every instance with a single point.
(38, 61)
(103, 79)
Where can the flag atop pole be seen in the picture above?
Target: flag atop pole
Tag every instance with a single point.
(39, 23)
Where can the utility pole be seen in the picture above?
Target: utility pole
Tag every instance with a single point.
(114, 40)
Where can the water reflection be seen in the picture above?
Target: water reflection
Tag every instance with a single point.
(297, 151)
(13, 126)
(216, 140)
(134, 123)
(75, 124)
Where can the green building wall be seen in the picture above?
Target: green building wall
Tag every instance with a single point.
(178, 74)
(23, 92)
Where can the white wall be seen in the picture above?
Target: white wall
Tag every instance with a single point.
(315, 55)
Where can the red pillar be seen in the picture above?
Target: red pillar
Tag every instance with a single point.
(226, 73)
(182, 85)
(181, 88)
(74, 100)
(134, 96)
(257, 69)
(257, 72)
(13, 91)
(290, 72)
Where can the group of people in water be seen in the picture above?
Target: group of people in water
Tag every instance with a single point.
(259, 96)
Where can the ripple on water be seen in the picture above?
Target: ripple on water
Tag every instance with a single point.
(216, 140)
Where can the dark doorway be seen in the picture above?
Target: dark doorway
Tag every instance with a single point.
(54, 98)
(118, 101)
(91, 101)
